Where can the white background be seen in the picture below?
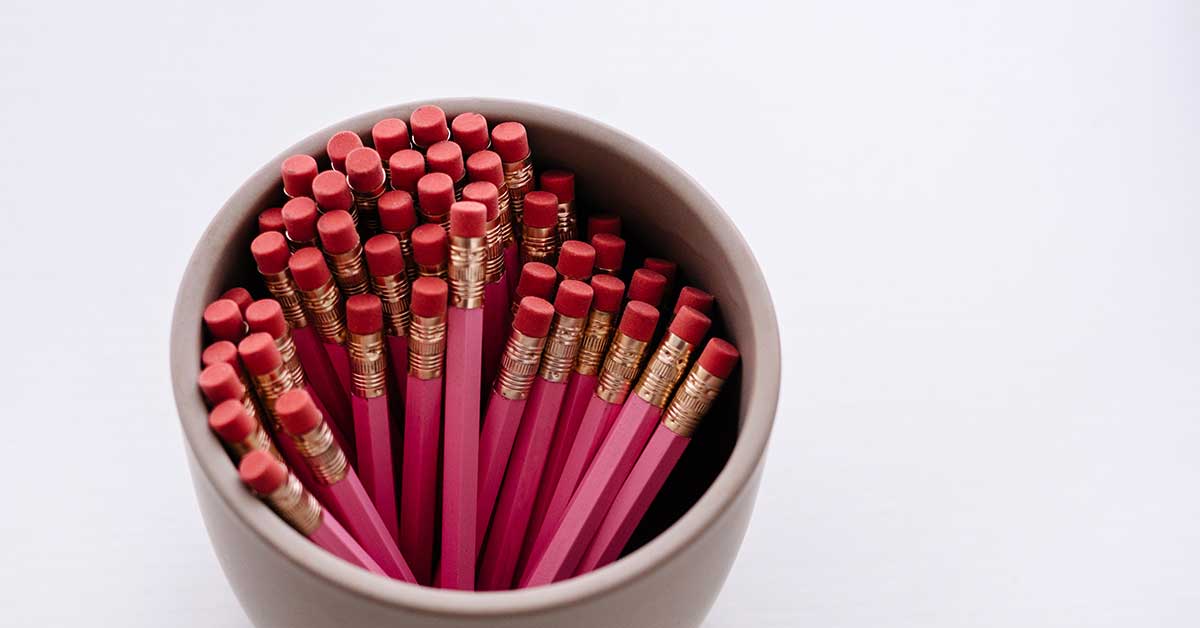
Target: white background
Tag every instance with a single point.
(979, 224)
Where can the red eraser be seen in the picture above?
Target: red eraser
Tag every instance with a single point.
(510, 141)
(259, 353)
(608, 293)
(220, 382)
(266, 316)
(230, 421)
(468, 219)
(364, 170)
(664, 267)
(718, 358)
(647, 286)
(262, 472)
(364, 314)
(297, 412)
(397, 212)
(534, 316)
(610, 251)
(332, 192)
(429, 296)
(308, 268)
(300, 219)
(435, 193)
(406, 168)
(339, 146)
(576, 259)
(639, 320)
(485, 165)
(696, 299)
(537, 280)
(270, 251)
(224, 320)
(384, 256)
(573, 299)
(470, 131)
(428, 125)
(389, 135)
(220, 352)
(298, 172)
(561, 183)
(338, 234)
(446, 157)
(541, 209)
(241, 296)
(486, 194)
(270, 219)
(429, 245)
(603, 223)
(690, 325)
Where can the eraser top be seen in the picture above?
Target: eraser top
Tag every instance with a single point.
(364, 170)
(485, 165)
(603, 223)
(308, 268)
(608, 293)
(446, 157)
(220, 382)
(230, 421)
(561, 183)
(639, 320)
(364, 314)
(718, 358)
(224, 320)
(241, 296)
(696, 299)
(262, 472)
(298, 172)
(486, 194)
(220, 352)
(270, 219)
(300, 219)
(397, 212)
(338, 234)
(576, 259)
(690, 325)
(573, 299)
(510, 141)
(610, 251)
(332, 192)
(647, 286)
(339, 146)
(537, 280)
(406, 167)
(259, 353)
(297, 412)
(429, 245)
(428, 125)
(266, 316)
(664, 267)
(384, 256)
(534, 316)
(470, 131)
(468, 219)
(541, 209)
(435, 193)
(270, 251)
(389, 135)
(429, 296)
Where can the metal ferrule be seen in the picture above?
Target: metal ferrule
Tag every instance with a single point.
(561, 348)
(322, 454)
(458, 187)
(439, 271)
(493, 265)
(283, 290)
(468, 257)
(664, 370)
(505, 214)
(692, 401)
(291, 362)
(519, 365)
(518, 178)
(426, 346)
(296, 506)
(368, 365)
(394, 293)
(367, 204)
(296, 245)
(440, 219)
(349, 271)
(258, 440)
(567, 226)
(324, 307)
(596, 334)
(620, 368)
(405, 238)
(539, 245)
(270, 387)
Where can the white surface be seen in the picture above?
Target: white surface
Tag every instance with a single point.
(979, 223)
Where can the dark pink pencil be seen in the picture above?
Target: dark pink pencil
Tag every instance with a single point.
(223, 319)
(323, 303)
(496, 302)
(372, 420)
(385, 262)
(235, 417)
(485, 165)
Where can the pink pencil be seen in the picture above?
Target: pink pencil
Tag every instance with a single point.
(495, 289)
(460, 454)
(398, 218)
(367, 179)
(332, 193)
(603, 223)
(270, 480)
(435, 195)
(485, 165)
(519, 366)
(689, 405)
(223, 319)
(430, 247)
(372, 421)
(234, 417)
(300, 222)
(562, 184)
(322, 302)
(511, 143)
(385, 261)
(539, 234)
(507, 532)
(338, 485)
(618, 453)
(297, 173)
(423, 424)
(610, 252)
(537, 280)
(389, 136)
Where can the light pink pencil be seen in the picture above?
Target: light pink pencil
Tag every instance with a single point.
(496, 301)
(372, 420)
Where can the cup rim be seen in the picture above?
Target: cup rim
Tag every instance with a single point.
(760, 396)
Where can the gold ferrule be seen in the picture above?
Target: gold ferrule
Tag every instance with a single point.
(505, 214)
(596, 335)
(518, 178)
(567, 225)
(367, 204)
(561, 347)
(468, 259)
(539, 245)
(458, 187)
(258, 440)
(405, 238)
(324, 307)
(692, 401)
(620, 368)
(368, 365)
(439, 270)
(426, 346)
(664, 370)
(270, 387)
(296, 245)
(350, 271)
(394, 293)
(493, 264)
(519, 365)
(296, 506)
(283, 290)
(291, 362)
(440, 219)
(322, 454)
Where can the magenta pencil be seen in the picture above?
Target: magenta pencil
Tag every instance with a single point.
(687, 408)
(372, 420)
(617, 454)
(270, 480)
(385, 262)
(485, 165)
(322, 301)
(423, 424)
(223, 319)
(502, 548)
(496, 302)
(234, 417)
(519, 366)
(398, 218)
